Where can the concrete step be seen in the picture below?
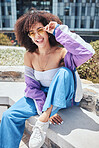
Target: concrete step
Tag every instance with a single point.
(80, 128)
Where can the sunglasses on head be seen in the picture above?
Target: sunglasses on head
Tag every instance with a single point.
(40, 31)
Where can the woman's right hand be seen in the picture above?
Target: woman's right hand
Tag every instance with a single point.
(56, 119)
(50, 27)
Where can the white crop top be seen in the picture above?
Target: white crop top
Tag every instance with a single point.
(45, 77)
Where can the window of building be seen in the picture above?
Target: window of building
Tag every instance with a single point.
(5, 23)
(23, 6)
(93, 1)
(9, 10)
(34, 3)
(97, 24)
(88, 11)
(0, 24)
(87, 1)
(66, 1)
(97, 11)
(77, 10)
(71, 1)
(60, 0)
(91, 23)
(76, 23)
(83, 1)
(66, 11)
(5, 0)
(44, 5)
(68, 22)
(83, 23)
(83, 11)
(3, 10)
(73, 10)
(78, 1)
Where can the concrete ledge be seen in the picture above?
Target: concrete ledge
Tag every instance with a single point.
(80, 128)
(4, 100)
(11, 47)
(11, 73)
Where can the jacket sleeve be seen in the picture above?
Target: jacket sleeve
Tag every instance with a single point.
(33, 88)
(78, 51)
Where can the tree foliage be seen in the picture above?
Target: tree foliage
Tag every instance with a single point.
(4, 40)
(90, 69)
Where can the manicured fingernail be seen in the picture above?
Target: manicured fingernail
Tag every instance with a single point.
(59, 124)
(62, 122)
(54, 123)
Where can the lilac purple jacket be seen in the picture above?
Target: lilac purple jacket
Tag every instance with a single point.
(78, 52)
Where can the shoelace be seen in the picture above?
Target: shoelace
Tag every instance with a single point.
(38, 132)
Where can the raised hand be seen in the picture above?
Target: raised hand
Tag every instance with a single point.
(50, 27)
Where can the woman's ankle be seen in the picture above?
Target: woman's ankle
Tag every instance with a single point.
(43, 120)
(45, 115)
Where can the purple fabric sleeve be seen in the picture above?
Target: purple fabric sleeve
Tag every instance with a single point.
(78, 51)
(33, 91)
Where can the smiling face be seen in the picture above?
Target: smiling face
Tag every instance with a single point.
(38, 35)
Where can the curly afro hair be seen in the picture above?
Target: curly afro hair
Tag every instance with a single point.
(24, 23)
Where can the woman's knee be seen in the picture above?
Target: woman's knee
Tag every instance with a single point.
(65, 72)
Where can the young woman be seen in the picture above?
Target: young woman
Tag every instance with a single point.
(51, 78)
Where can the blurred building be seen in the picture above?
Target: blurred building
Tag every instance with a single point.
(82, 16)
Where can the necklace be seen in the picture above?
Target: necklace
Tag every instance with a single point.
(41, 60)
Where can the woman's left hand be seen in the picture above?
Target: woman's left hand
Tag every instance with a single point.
(56, 119)
(50, 27)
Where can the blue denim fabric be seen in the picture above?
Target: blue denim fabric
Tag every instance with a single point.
(13, 122)
(61, 91)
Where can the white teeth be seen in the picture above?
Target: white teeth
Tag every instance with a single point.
(39, 40)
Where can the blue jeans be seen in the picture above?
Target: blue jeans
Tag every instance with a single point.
(59, 94)
(13, 122)
(61, 91)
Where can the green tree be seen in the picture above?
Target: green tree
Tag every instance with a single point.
(90, 69)
(4, 40)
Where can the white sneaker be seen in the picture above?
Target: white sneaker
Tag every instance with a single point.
(37, 138)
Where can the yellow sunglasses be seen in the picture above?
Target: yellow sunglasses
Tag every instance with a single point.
(40, 31)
